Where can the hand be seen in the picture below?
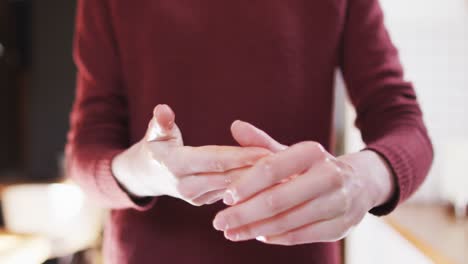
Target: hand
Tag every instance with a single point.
(161, 165)
(301, 194)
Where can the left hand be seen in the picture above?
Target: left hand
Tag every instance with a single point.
(301, 194)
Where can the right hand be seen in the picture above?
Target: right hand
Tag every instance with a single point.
(160, 164)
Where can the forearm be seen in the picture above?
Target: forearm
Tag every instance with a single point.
(388, 113)
(90, 167)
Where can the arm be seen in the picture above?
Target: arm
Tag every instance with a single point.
(388, 113)
(302, 194)
(98, 153)
(98, 126)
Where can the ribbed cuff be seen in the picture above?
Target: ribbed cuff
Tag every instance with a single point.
(400, 163)
(114, 195)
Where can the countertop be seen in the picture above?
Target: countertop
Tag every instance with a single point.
(434, 230)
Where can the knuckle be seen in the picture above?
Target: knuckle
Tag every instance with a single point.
(337, 178)
(311, 145)
(267, 168)
(218, 165)
(314, 147)
(272, 203)
(229, 178)
(322, 156)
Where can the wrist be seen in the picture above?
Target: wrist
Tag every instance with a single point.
(123, 170)
(376, 174)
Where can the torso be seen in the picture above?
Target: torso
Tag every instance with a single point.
(269, 62)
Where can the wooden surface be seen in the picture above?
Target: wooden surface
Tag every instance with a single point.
(18, 249)
(434, 230)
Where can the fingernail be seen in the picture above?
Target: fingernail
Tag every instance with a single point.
(261, 238)
(237, 122)
(220, 224)
(155, 110)
(165, 106)
(228, 198)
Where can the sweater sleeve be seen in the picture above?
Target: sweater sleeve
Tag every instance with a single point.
(98, 122)
(388, 113)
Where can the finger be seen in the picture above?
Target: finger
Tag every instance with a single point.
(280, 198)
(229, 176)
(273, 169)
(324, 231)
(192, 187)
(194, 160)
(248, 135)
(165, 116)
(162, 126)
(196, 186)
(322, 208)
(209, 197)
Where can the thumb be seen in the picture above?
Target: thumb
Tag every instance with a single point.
(162, 126)
(248, 135)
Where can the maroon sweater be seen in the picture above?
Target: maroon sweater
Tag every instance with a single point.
(216, 61)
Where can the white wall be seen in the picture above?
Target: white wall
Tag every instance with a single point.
(432, 37)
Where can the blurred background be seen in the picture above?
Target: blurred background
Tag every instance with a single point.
(43, 217)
